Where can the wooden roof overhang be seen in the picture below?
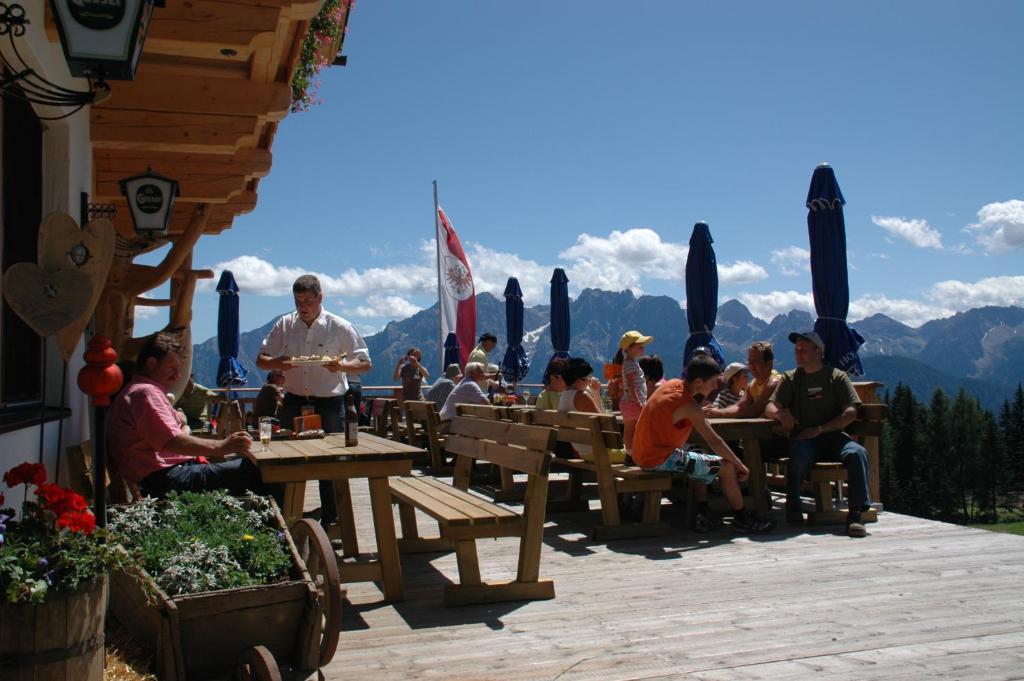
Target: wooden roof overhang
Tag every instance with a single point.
(213, 82)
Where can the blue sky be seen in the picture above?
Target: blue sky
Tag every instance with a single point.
(592, 135)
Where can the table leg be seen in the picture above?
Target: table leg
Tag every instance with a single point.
(387, 543)
(294, 500)
(346, 518)
(757, 483)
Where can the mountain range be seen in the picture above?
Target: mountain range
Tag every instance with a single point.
(980, 350)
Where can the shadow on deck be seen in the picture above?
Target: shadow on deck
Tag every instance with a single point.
(915, 599)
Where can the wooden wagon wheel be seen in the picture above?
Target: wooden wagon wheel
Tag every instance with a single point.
(257, 664)
(315, 550)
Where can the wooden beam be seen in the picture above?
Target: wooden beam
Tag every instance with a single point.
(160, 65)
(248, 162)
(148, 130)
(198, 95)
(202, 28)
(193, 187)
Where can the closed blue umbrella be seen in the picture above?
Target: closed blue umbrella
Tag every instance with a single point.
(826, 230)
(451, 352)
(560, 313)
(230, 374)
(701, 294)
(515, 364)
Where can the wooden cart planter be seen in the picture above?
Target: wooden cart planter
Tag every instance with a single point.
(243, 630)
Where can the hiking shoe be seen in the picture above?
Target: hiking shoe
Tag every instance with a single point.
(854, 527)
(705, 522)
(747, 522)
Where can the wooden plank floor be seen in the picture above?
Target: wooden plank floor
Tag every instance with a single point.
(916, 599)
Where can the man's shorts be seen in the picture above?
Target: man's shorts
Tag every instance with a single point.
(630, 410)
(696, 465)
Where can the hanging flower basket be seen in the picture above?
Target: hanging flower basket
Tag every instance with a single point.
(322, 44)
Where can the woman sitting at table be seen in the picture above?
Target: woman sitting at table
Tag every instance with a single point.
(554, 385)
(583, 393)
(583, 390)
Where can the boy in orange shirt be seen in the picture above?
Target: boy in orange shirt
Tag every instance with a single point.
(659, 443)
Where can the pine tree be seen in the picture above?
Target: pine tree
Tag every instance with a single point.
(903, 443)
(1011, 422)
(965, 430)
(992, 473)
(938, 461)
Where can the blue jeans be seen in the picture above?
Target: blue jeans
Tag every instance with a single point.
(236, 476)
(331, 414)
(829, 447)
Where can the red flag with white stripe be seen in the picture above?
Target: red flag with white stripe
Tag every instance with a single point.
(456, 293)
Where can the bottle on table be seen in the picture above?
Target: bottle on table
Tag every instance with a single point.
(351, 423)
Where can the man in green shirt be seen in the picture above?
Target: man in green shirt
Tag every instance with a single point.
(814, 403)
(193, 402)
(483, 348)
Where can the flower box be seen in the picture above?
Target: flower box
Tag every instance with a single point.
(207, 634)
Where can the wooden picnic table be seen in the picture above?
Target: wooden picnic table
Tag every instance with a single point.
(749, 432)
(294, 462)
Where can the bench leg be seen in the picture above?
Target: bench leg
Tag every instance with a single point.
(652, 507)
(346, 518)
(387, 543)
(469, 563)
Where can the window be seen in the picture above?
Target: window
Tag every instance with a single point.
(21, 167)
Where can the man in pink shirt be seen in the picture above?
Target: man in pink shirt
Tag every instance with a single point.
(150, 446)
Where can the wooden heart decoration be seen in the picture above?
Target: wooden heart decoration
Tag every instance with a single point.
(46, 301)
(88, 251)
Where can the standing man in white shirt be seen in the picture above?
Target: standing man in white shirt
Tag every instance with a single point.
(312, 331)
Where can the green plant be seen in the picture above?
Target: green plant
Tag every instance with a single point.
(54, 546)
(195, 542)
(324, 29)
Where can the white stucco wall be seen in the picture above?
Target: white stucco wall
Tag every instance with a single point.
(67, 171)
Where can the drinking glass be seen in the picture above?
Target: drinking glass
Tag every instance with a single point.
(266, 428)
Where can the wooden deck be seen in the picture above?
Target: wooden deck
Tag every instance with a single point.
(915, 600)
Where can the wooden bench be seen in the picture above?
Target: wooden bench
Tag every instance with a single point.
(502, 485)
(463, 517)
(827, 479)
(381, 412)
(600, 433)
(423, 421)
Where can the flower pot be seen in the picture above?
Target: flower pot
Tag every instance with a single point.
(61, 638)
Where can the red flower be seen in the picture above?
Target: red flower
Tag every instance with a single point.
(77, 521)
(25, 474)
(60, 500)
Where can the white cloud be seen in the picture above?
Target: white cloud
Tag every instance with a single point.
(257, 276)
(910, 312)
(378, 306)
(491, 270)
(768, 305)
(961, 295)
(145, 312)
(1000, 226)
(619, 260)
(741, 272)
(915, 232)
(792, 260)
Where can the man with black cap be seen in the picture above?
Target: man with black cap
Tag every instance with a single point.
(814, 403)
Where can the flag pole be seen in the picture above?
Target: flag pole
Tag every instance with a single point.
(440, 312)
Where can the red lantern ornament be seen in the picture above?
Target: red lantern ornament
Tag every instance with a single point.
(100, 378)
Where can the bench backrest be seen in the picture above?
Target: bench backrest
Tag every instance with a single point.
(516, 446)
(484, 411)
(577, 427)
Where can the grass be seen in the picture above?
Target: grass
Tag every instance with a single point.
(1010, 528)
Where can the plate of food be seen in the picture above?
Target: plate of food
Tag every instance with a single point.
(315, 359)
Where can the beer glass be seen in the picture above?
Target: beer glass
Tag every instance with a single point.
(266, 428)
